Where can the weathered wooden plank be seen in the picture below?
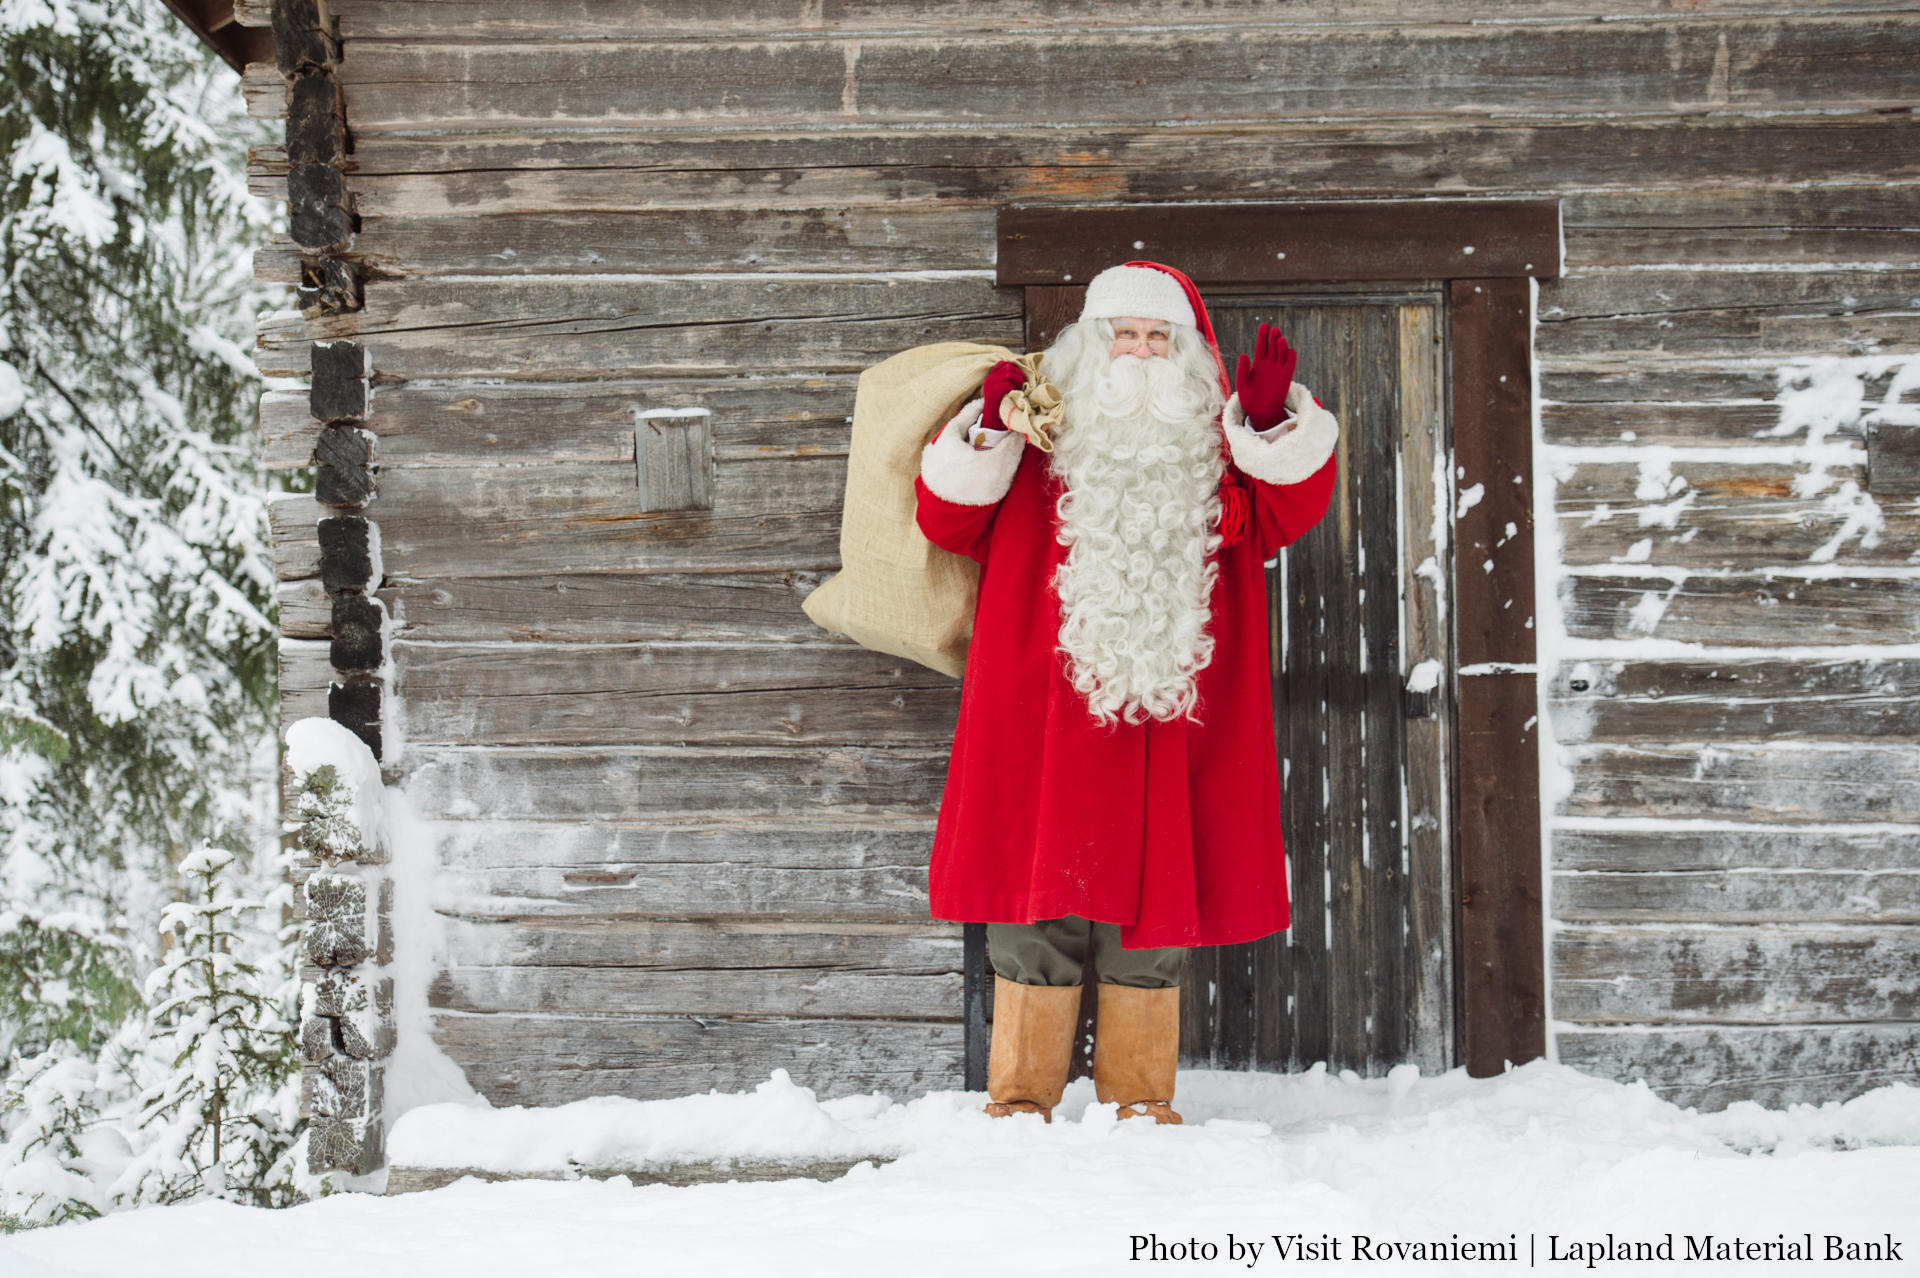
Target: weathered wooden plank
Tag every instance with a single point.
(306, 610)
(1711, 1067)
(1658, 384)
(520, 1059)
(1599, 314)
(1726, 516)
(461, 423)
(603, 607)
(1733, 974)
(1893, 460)
(1750, 611)
(1770, 223)
(1738, 896)
(564, 327)
(665, 968)
(723, 848)
(305, 674)
(1673, 701)
(1143, 75)
(265, 91)
(291, 520)
(504, 172)
(490, 521)
(479, 20)
(1775, 782)
(1282, 243)
(1431, 758)
(680, 946)
(702, 889)
(550, 875)
(673, 783)
(659, 693)
(1716, 425)
(1682, 847)
(895, 237)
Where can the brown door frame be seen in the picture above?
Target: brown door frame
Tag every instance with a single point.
(1485, 252)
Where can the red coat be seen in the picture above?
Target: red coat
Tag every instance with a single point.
(1169, 828)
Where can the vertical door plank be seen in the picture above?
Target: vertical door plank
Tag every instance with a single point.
(1425, 562)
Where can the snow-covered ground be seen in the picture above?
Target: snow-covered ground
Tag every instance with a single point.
(1544, 1159)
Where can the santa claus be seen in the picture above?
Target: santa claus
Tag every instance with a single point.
(1113, 790)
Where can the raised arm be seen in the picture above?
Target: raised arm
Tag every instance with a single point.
(961, 483)
(1292, 465)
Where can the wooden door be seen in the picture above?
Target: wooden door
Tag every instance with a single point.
(1363, 978)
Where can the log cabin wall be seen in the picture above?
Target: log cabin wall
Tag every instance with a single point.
(681, 833)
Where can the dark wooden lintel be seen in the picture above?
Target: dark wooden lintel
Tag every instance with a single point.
(1346, 241)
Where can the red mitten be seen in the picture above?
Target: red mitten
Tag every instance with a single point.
(1264, 380)
(1004, 377)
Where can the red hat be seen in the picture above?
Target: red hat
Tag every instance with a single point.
(1201, 320)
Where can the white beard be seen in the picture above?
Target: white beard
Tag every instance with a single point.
(1138, 456)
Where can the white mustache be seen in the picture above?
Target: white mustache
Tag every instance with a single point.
(1150, 384)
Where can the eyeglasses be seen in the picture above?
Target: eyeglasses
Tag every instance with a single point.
(1127, 336)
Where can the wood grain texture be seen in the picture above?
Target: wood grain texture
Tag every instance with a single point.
(305, 674)
(860, 237)
(1774, 782)
(600, 607)
(1700, 974)
(674, 783)
(1601, 314)
(1711, 1067)
(1714, 224)
(1732, 845)
(1139, 75)
(505, 172)
(462, 423)
(1739, 895)
(1711, 701)
(1760, 612)
(1492, 420)
(1727, 516)
(485, 521)
(1285, 243)
(660, 693)
(566, 328)
(1501, 901)
(667, 968)
(480, 20)
(518, 1059)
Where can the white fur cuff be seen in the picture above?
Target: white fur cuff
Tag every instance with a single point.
(1286, 458)
(960, 473)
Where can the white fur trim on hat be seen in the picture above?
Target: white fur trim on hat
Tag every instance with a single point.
(1139, 292)
(1285, 458)
(955, 471)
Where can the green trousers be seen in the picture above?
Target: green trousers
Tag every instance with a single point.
(1052, 952)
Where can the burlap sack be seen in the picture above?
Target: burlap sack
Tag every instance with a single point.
(896, 592)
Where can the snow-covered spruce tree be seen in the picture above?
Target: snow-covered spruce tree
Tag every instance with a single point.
(136, 650)
(223, 1117)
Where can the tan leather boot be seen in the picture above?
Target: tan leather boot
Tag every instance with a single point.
(1032, 1047)
(1136, 1049)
